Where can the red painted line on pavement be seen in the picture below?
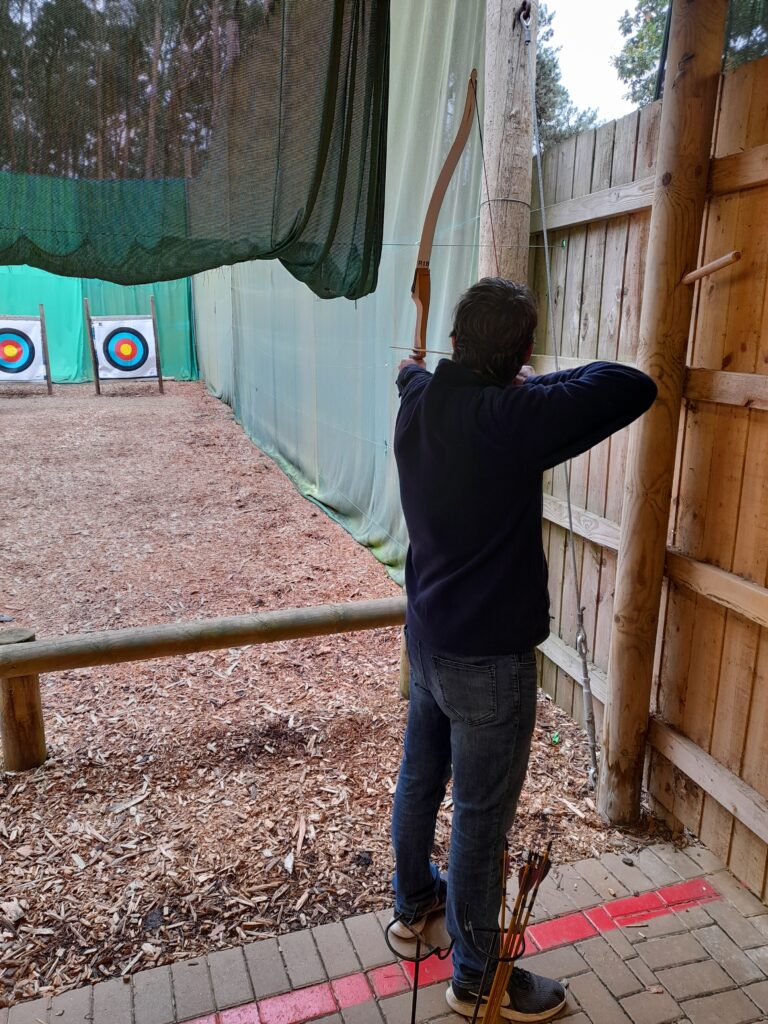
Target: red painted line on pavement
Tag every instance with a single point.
(351, 990)
(388, 981)
(248, 1014)
(698, 890)
(306, 1004)
(636, 905)
(298, 1006)
(560, 931)
(634, 920)
(430, 971)
(600, 918)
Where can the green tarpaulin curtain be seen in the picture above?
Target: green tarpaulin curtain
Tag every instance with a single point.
(143, 141)
(314, 382)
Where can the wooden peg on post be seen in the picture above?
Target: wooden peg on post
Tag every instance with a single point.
(711, 268)
(21, 715)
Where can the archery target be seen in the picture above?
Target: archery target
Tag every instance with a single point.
(125, 347)
(21, 350)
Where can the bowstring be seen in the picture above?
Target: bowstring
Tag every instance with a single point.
(485, 176)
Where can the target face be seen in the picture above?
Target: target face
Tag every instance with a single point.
(17, 352)
(21, 350)
(125, 346)
(126, 349)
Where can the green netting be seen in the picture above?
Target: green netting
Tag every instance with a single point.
(143, 141)
(313, 383)
(22, 289)
(747, 31)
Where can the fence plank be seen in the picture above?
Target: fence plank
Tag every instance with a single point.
(601, 205)
(747, 599)
(726, 388)
(733, 794)
(567, 659)
(739, 171)
(578, 468)
(585, 523)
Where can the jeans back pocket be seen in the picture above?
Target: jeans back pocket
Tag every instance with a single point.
(468, 690)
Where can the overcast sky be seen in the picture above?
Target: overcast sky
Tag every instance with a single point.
(588, 36)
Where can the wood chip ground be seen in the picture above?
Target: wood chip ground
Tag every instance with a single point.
(195, 803)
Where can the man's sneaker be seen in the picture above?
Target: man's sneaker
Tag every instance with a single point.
(529, 997)
(405, 929)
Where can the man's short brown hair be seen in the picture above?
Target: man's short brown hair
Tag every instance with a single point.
(493, 326)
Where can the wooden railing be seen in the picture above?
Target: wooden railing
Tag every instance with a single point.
(23, 658)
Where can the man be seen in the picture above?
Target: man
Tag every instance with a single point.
(471, 442)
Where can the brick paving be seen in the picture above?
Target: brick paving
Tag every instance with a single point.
(670, 938)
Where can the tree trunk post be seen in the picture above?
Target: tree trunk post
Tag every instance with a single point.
(505, 210)
(21, 715)
(687, 118)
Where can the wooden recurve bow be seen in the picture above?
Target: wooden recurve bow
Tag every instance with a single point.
(420, 289)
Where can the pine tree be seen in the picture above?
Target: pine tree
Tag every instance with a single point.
(637, 64)
(558, 116)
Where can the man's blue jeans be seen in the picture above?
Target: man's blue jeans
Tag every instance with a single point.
(473, 718)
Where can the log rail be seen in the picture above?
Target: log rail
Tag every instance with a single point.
(21, 662)
(22, 658)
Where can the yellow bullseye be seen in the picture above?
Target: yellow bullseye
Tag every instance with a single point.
(11, 350)
(125, 349)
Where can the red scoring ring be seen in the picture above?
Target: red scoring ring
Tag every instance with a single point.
(134, 348)
(18, 351)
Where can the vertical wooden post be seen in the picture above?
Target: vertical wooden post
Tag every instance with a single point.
(91, 345)
(46, 358)
(508, 142)
(687, 117)
(153, 309)
(21, 716)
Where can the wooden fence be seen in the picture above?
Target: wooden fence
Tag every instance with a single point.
(597, 279)
(708, 767)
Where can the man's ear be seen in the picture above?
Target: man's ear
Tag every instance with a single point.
(528, 354)
(453, 342)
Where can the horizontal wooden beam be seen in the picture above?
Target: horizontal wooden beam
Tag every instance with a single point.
(585, 523)
(739, 171)
(724, 588)
(566, 658)
(544, 362)
(608, 202)
(144, 642)
(743, 802)
(731, 173)
(727, 174)
(731, 792)
(746, 389)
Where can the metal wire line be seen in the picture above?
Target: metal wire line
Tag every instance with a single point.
(581, 635)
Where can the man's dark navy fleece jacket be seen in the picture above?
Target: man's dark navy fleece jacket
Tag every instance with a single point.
(470, 455)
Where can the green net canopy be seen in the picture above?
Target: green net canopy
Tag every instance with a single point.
(144, 140)
(747, 37)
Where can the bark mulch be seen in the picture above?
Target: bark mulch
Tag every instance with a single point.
(199, 802)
